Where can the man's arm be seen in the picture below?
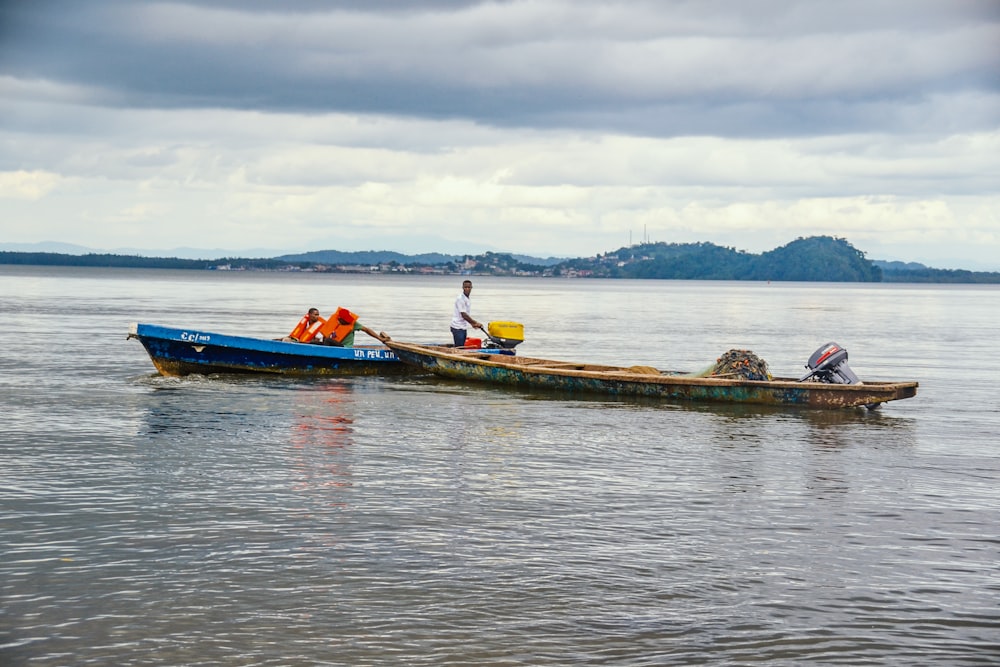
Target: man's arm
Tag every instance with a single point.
(370, 332)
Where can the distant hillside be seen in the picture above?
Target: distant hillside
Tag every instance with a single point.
(129, 261)
(48, 247)
(957, 276)
(816, 258)
(368, 257)
(376, 257)
(899, 266)
(914, 272)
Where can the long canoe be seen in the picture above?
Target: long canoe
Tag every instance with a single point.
(585, 378)
(180, 352)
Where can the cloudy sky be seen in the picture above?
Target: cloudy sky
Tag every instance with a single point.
(542, 127)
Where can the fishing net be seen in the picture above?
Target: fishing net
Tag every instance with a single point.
(740, 362)
(644, 370)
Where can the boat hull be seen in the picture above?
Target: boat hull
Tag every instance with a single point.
(528, 373)
(178, 352)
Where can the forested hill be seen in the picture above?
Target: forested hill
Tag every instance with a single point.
(816, 258)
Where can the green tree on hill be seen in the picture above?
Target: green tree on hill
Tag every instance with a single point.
(822, 258)
(819, 258)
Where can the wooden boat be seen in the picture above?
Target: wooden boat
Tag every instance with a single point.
(643, 381)
(186, 351)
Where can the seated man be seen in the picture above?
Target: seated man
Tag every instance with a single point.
(307, 329)
(339, 329)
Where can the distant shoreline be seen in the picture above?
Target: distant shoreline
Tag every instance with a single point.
(657, 261)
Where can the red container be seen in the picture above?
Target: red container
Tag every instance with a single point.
(475, 343)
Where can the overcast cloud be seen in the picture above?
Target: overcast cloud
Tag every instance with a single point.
(538, 127)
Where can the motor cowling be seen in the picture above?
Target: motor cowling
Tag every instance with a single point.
(829, 364)
(505, 335)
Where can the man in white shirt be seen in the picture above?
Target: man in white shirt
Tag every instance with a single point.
(461, 318)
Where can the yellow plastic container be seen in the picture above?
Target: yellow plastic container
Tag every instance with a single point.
(506, 331)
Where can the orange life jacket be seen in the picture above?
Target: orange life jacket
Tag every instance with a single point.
(339, 325)
(303, 332)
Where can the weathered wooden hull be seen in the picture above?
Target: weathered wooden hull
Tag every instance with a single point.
(180, 352)
(529, 373)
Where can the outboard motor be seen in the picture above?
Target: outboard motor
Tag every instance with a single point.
(829, 364)
(505, 335)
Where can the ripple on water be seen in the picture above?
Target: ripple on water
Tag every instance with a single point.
(274, 521)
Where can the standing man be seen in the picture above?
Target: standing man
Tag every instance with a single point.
(462, 316)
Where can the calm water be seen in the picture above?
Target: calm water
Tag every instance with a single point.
(225, 521)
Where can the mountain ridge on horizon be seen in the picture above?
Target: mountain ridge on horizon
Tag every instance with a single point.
(357, 256)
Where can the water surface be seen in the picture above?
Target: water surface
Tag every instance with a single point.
(382, 521)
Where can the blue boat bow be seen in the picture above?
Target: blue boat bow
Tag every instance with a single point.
(185, 351)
